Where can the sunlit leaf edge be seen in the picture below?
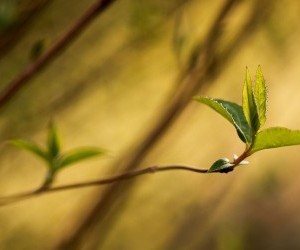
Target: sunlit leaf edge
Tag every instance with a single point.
(260, 95)
(232, 112)
(249, 104)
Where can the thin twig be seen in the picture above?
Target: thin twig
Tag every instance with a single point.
(122, 177)
(5, 200)
(23, 78)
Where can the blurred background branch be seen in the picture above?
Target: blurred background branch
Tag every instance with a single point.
(30, 71)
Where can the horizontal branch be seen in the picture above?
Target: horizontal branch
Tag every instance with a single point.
(122, 177)
(6, 200)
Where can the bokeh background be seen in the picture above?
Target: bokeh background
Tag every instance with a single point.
(126, 84)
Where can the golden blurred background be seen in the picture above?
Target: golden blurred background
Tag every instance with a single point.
(126, 84)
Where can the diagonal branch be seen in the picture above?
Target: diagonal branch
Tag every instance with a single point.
(29, 72)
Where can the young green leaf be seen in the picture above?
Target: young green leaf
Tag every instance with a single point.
(31, 147)
(54, 159)
(260, 94)
(221, 165)
(275, 137)
(53, 141)
(233, 113)
(78, 155)
(249, 105)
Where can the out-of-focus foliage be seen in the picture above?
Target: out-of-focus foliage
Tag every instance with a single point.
(8, 14)
(14, 14)
(55, 160)
(37, 49)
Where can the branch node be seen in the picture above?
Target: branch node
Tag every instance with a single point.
(153, 169)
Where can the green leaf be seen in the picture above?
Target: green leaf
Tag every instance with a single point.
(260, 94)
(222, 165)
(274, 138)
(78, 155)
(31, 147)
(53, 141)
(249, 105)
(233, 113)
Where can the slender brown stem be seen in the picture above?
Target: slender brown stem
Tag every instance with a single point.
(242, 157)
(125, 176)
(23, 78)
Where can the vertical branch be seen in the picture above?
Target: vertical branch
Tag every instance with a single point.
(24, 77)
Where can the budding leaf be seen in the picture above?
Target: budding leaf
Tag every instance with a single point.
(221, 165)
(275, 137)
(249, 105)
(233, 113)
(260, 93)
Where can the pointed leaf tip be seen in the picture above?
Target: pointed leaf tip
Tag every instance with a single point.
(260, 93)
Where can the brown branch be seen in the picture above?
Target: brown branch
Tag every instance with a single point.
(122, 177)
(23, 78)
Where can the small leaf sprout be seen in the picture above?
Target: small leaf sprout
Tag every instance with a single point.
(53, 157)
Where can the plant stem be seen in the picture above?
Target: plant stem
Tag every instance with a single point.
(45, 188)
(125, 176)
(242, 157)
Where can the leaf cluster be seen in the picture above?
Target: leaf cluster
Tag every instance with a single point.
(248, 120)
